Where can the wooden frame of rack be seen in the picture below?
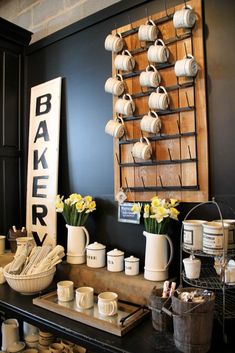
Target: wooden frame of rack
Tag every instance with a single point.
(179, 165)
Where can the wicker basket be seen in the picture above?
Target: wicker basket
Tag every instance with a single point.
(29, 284)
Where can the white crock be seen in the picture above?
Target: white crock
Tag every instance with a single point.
(131, 266)
(115, 260)
(95, 255)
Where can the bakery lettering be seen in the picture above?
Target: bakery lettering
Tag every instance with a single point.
(39, 212)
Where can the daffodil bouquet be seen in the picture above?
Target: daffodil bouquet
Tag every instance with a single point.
(158, 214)
(75, 209)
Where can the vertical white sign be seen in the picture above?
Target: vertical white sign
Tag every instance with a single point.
(43, 158)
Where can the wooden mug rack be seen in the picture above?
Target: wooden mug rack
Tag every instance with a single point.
(179, 164)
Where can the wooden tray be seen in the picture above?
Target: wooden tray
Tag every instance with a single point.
(128, 316)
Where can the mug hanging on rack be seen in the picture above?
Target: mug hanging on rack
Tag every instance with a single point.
(114, 42)
(159, 100)
(186, 67)
(148, 32)
(142, 149)
(124, 61)
(184, 18)
(114, 85)
(115, 127)
(150, 77)
(158, 53)
(125, 105)
(151, 123)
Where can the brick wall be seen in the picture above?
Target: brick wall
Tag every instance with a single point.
(43, 17)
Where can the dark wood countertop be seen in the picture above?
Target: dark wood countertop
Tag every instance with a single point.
(142, 339)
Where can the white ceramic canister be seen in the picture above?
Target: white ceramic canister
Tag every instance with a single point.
(95, 255)
(115, 260)
(231, 232)
(192, 236)
(192, 267)
(132, 266)
(213, 240)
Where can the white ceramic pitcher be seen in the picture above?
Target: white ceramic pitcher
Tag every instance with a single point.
(157, 259)
(78, 239)
(10, 333)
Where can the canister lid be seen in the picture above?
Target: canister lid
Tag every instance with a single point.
(96, 246)
(115, 252)
(191, 259)
(131, 259)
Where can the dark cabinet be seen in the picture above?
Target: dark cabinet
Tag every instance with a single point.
(13, 41)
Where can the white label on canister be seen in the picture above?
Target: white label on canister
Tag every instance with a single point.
(188, 237)
(212, 243)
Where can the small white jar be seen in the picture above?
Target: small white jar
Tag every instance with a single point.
(95, 255)
(132, 266)
(115, 260)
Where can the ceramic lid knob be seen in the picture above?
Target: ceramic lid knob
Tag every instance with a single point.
(115, 252)
(96, 246)
(132, 259)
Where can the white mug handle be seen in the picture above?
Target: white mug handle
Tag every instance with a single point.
(119, 77)
(146, 139)
(189, 56)
(114, 307)
(150, 22)
(159, 40)
(152, 112)
(82, 299)
(87, 239)
(150, 67)
(162, 88)
(126, 51)
(127, 96)
(119, 118)
(171, 250)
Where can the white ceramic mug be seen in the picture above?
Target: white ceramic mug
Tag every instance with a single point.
(142, 149)
(114, 42)
(115, 127)
(151, 123)
(125, 105)
(10, 333)
(2, 244)
(150, 77)
(65, 291)
(184, 18)
(186, 67)
(124, 61)
(148, 31)
(85, 297)
(158, 53)
(114, 85)
(159, 99)
(192, 267)
(108, 303)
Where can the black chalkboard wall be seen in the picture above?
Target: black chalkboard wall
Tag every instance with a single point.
(86, 153)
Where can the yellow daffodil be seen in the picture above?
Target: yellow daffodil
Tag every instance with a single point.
(91, 207)
(75, 209)
(157, 214)
(80, 206)
(146, 211)
(174, 213)
(59, 204)
(174, 202)
(136, 208)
